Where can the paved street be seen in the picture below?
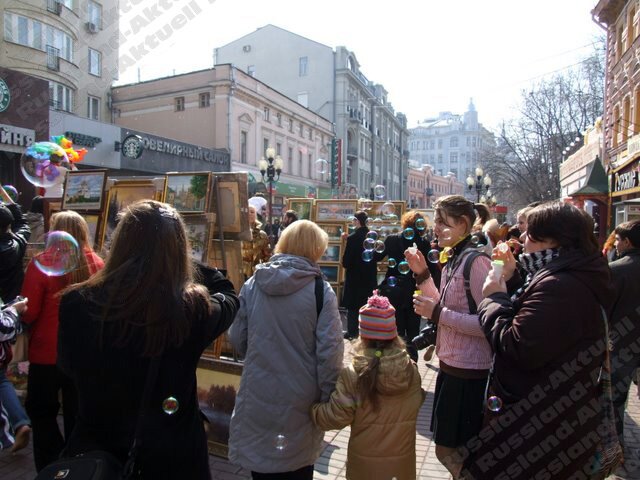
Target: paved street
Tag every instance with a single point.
(331, 465)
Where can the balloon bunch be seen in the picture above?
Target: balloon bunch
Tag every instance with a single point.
(74, 155)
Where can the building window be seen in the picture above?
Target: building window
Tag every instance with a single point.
(266, 114)
(251, 70)
(93, 108)
(439, 143)
(95, 62)
(265, 145)
(278, 148)
(631, 34)
(204, 100)
(30, 33)
(291, 125)
(60, 97)
(243, 147)
(453, 157)
(310, 162)
(300, 173)
(310, 134)
(453, 142)
(301, 128)
(94, 13)
(279, 119)
(302, 66)
(179, 104)
(290, 157)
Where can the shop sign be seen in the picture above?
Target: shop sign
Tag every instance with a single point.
(132, 147)
(289, 190)
(183, 150)
(15, 138)
(5, 95)
(82, 139)
(626, 180)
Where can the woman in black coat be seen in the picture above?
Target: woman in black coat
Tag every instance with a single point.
(144, 304)
(360, 275)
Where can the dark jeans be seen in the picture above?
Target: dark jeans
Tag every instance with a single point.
(352, 323)
(408, 324)
(42, 406)
(304, 473)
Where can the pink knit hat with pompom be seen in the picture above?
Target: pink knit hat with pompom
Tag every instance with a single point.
(378, 319)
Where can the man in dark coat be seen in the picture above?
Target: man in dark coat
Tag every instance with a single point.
(360, 275)
(625, 316)
(14, 235)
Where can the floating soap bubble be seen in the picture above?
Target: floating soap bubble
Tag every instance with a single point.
(503, 248)
(433, 256)
(368, 244)
(365, 204)
(392, 263)
(408, 233)
(280, 442)
(321, 166)
(170, 405)
(392, 219)
(403, 267)
(372, 234)
(384, 231)
(474, 240)
(12, 192)
(421, 224)
(367, 255)
(60, 255)
(379, 191)
(379, 246)
(387, 209)
(445, 235)
(44, 164)
(494, 403)
(392, 281)
(376, 223)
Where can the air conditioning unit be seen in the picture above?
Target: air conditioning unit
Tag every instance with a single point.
(92, 27)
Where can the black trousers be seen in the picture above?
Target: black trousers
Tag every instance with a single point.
(353, 323)
(408, 324)
(45, 381)
(304, 473)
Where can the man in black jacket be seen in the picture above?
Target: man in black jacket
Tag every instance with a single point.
(625, 316)
(14, 234)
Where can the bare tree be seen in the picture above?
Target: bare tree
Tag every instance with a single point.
(526, 159)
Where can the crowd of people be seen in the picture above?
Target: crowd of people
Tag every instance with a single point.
(521, 318)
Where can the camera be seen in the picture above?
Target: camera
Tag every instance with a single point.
(426, 337)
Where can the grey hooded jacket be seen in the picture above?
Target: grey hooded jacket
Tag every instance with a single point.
(292, 360)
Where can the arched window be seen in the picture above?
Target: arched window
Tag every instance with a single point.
(626, 107)
(631, 34)
(636, 111)
(616, 126)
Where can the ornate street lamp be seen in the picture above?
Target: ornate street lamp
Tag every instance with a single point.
(478, 182)
(270, 170)
(489, 200)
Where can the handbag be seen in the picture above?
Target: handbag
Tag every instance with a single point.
(102, 465)
(609, 455)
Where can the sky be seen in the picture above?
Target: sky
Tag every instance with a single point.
(430, 55)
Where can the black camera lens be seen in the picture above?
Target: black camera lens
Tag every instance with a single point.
(427, 337)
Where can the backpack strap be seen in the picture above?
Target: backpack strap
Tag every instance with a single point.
(466, 274)
(319, 294)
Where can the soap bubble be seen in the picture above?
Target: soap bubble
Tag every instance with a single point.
(377, 223)
(433, 256)
(368, 244)
(445, 235)
(60, 255)
(494, 403)
(421, 224)
(321, 166)
(384, 231)
(170, 405)
(387, 209)
(392, 219)
(474, 240)
(367, 255)
(392, 263)
(503, 248)
(403, 267)
(392, 281)
(44, 164)
(408, 233)
(12, 192)
(365, 204)
(446, 254)
(280, 442)
(379, 246)
(372, 234)
(379, 191)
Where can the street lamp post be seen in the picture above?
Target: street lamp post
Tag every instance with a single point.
(270, 170)
(478, 182)
(489, 200)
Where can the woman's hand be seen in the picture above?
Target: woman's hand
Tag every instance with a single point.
(416, 261)
(506, 257)
(493, 285)
(424, 306)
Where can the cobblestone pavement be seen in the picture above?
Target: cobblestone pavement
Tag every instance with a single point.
(331, 465)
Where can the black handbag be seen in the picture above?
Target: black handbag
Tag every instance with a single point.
(102, 465)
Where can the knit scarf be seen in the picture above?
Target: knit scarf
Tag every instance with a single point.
(532, 262)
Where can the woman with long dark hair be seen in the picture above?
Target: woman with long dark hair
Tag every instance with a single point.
(145, 304)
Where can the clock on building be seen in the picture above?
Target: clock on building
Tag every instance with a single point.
(132, 146)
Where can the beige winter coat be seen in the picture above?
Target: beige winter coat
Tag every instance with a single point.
(382, 445)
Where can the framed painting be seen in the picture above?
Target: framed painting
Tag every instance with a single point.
(198, 235)
(122, 194)
(334, 210)
(302, 206)
(334, 230)
(230, 206)
(218, 382)
(333, 253)
(49, 207)
(93, 222)
(188, 192)
(330, 272)
(84, 189)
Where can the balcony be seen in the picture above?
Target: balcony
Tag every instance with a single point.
(54, 6)
(352, 154)
(53, 58)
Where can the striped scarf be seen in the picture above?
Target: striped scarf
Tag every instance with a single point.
(532, 263)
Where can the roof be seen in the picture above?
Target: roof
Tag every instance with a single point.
(597, 183)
